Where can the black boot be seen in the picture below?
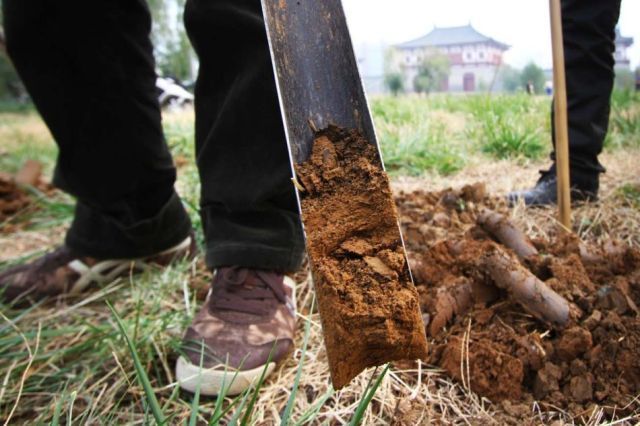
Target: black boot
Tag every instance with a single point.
(583, 188)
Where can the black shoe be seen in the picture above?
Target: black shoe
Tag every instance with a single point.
(546, 191)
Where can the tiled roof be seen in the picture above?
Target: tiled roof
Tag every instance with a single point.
(451, 36)
(620, 39)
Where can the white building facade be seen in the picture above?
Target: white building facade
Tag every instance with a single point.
(474, 58)
(622, 45)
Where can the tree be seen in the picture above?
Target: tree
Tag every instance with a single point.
(393, 75)
(173, 51)
(534, 74)
(177, 60)
(432, 72)
(510, 78)
(394, 81)
(10, 84)
(625, 79)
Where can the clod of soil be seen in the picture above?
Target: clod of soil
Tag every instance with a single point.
(368, 304)
(12, 198)
(483, 336)
(496, 374)
(30, 173)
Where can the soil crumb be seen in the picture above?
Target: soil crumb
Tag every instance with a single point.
(12, 198)
(489, 343)
(367, 301)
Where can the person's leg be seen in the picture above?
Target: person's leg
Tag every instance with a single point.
(249, 208)
(89, 68)
(589, 44)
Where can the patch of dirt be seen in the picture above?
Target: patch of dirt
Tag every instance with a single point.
(515, 350)
(409, 412)
(12, 198)
(368, 304)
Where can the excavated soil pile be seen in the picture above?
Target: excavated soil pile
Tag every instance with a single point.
(12, 198)
(574, 352)
(368, 304)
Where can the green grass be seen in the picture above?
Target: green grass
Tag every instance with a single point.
(423, 135)
(507, 136)
(84, 370)
(630, 193)
(22, 141)
(13, 106)
(510, 127)
(180, 136)
(442, 133)
(624, 121)
(415, 150)
(110, 359)
(412, 141)
(23, 146)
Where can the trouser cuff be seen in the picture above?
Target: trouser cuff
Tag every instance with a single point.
(255, 256)
(98, 235)
(262, 239)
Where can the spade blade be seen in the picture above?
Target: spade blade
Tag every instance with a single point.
(316, 71)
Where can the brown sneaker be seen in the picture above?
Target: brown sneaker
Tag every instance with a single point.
(65, 272)
(248, 315)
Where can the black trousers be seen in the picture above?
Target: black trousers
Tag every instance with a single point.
(89, 68)
(589, 44)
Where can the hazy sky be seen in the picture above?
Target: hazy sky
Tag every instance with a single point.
(523, 24)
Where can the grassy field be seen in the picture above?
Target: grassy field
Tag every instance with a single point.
(79, 361)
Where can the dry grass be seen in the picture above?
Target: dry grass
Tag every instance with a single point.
(16, 128)
(77, 365)
(612, 217)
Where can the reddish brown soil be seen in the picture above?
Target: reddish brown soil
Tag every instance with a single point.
(368, 304)
(487, 341)
(12, 198)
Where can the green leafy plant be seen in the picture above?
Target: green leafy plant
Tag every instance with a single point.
(152, 400)
(368, 396)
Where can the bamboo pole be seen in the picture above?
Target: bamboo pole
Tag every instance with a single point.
(560, 115)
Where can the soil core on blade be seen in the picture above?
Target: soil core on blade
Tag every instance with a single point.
(368, 304)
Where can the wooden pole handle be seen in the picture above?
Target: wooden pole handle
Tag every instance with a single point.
(560, 115)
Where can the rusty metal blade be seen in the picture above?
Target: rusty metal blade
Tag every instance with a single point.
(319, 85)
(316, 71)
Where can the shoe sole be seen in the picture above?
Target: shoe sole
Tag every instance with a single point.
(108, 270)
(210, 380)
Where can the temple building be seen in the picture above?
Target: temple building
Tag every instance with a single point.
(474, 58)
(622, 46)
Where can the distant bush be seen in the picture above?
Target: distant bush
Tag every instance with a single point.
(394, 82)
(511, 79)
(625, 80)
(534, 74)
(432, 73)
(11, 87)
